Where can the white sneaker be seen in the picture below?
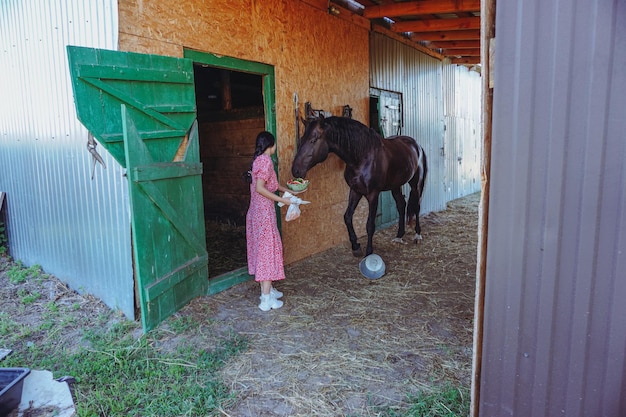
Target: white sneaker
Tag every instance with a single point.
(268, 302)
(275, 293)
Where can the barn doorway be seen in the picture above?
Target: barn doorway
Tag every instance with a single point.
(232, 99)
(230, 114)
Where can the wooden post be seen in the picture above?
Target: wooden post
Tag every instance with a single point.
(488, 19)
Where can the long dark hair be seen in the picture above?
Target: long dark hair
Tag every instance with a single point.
(264, 140)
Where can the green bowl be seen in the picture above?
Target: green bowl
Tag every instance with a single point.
(298, 187)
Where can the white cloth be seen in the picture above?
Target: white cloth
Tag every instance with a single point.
(293, 212)
(293, 198)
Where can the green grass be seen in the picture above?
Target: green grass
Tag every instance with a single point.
(7, 326)
(18, 274)
(27, 297)
(118, 370)
(447, 401)
(441, 401)
(120, 375)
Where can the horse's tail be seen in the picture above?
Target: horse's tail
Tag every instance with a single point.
(417, 185)
(424, 164)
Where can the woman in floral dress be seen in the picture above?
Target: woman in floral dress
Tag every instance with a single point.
(265, 248)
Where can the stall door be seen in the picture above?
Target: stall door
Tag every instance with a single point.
(141, 108)
(390, 113)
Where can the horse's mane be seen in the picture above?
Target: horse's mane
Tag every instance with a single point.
(351, 136)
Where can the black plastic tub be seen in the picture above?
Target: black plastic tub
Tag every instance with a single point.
(11, 384)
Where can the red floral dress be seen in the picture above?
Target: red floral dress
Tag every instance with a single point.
(265, 247)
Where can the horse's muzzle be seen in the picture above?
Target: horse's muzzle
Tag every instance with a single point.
(298, 172)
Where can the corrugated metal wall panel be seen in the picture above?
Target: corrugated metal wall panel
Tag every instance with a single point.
(400, 68)
(397, 67)
(75, 228)
(462, 143)
(554, 337)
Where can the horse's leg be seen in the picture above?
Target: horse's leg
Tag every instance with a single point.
(415, 202)
(371, 222)
(418, 228)
(401, 206)
(353, 201)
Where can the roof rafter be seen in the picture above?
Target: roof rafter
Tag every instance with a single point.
(455, 35)
(436, 25)
(462, 52)
(440, 28)
(444, 44)
(421, 7)
(470, 60)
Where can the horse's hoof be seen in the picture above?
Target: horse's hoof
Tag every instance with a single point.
(417, 238)
(398, 240)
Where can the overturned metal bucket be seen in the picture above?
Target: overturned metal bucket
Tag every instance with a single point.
(372, 266)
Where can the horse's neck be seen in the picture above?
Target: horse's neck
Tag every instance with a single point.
(344, 154)
(348, 151)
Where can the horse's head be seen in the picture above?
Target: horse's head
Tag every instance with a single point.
(312, 148)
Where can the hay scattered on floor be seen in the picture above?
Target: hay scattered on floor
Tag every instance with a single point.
(226, 247)
(342, 344)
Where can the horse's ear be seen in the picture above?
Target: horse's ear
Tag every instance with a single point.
(305, 122)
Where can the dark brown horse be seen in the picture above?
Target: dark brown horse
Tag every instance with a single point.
(373, 164)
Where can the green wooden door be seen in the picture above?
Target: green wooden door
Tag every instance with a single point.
(142, 109)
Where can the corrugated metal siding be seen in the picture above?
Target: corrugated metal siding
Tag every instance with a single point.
(75, 228)
(420, 79)
(462, 143)
(554, 340)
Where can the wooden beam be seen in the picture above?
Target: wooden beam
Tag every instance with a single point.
(437, 25)
(428, 51)
(466, 61)
(413, 8)
(455, 44)
(453, 35)
(340, 12)
(461, 52)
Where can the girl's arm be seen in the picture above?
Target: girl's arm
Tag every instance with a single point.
(260, 188)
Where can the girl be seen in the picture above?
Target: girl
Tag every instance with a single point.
(265, 248)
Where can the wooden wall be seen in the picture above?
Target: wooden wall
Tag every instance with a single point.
(225, 155)
(322, 58)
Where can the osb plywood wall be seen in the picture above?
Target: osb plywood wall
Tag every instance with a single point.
(322, 58)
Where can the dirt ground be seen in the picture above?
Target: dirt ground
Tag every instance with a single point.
(344, 345)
